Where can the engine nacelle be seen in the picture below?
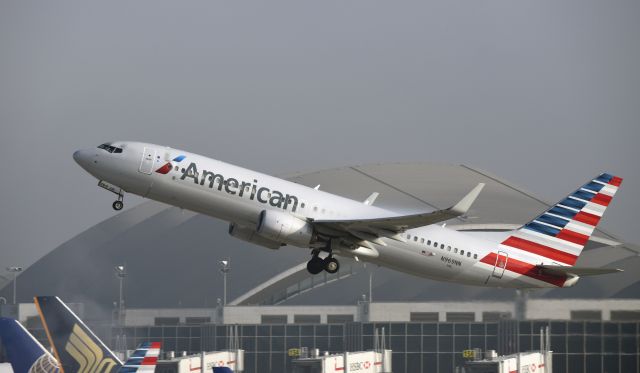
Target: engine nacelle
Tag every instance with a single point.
(250, 235)
(282, 227)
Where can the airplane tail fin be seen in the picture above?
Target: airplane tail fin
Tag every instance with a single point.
(558, 235)
(75, 346)
(24, 352)
(143, 360)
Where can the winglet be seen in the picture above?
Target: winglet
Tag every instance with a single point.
(371, 199)
(462, 207)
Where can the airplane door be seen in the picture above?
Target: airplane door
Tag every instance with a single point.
(146, 165)
(501, 264)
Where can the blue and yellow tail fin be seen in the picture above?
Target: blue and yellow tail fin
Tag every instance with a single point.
(75, 346)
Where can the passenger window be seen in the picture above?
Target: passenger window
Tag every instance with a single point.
(461, 252)
(435, 244)
(475, 256)
(429, 242)
(408, 237)
(422, 240)
(448, 249)
(302, 205)
(315, 208)
(468, 254)
(455, 250)
(176, 168)
(415, 238)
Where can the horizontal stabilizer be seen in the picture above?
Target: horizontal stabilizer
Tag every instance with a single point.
(577, 271)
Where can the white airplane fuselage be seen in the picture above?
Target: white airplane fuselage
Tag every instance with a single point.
(239, 196)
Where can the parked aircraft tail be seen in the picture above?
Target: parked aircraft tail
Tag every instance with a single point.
(24, 352)
(143, 360)
(80, 351)
(75, 346)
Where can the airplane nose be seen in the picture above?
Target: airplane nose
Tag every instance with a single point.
(82, 157)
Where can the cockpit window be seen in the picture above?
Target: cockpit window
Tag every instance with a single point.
(109, 148)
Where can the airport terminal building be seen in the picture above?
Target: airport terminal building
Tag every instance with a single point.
(424, 343)
(173, 289)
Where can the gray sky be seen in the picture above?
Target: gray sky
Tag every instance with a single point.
(542, 93)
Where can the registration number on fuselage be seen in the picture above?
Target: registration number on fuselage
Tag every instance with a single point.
(451, 262)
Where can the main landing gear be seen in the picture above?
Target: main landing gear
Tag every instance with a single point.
(317, 264)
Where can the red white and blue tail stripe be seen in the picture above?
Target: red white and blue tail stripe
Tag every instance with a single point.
(144, 359)
(559, 234)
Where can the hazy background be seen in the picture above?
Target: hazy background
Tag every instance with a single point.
(544, 94)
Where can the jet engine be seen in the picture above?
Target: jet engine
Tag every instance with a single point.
(282, 227)
(250, 235)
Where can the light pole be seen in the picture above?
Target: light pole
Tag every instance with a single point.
(225, 267)
(121, 273)
(15, 271)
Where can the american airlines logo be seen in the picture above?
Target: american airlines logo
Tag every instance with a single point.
(87, 353)
(233, 186)
(168, 166)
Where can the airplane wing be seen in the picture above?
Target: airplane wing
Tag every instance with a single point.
(391, 226)
(577, 271)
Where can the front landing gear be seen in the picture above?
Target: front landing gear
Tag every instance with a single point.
(119, 203)
(317, 264)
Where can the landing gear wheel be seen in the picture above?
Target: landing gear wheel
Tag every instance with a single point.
(331, 265)
(315, 265)
(118, 205)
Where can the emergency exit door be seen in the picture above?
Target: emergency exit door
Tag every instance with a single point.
(148, 157)
(501, 264)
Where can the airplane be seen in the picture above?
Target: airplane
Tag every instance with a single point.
(272, 212)
(24, 352)
(78, 350)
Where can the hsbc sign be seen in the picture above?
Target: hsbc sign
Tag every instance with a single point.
(360, 366)
(361, 362)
